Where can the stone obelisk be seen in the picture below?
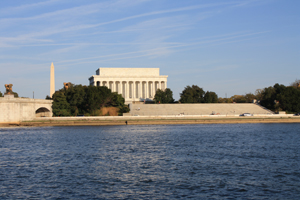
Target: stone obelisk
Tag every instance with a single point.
(52, 80)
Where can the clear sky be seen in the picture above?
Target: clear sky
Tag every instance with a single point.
(229, 47)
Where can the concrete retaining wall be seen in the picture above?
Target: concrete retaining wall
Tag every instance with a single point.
(197, 109)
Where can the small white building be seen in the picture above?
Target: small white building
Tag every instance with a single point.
(135, 84)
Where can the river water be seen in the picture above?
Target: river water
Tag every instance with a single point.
(218, 161)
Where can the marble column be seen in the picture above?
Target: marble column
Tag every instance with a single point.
(127, 89)
(132, 90)
(144, 90)
(123, 89)
(113, 86)
(140, 90)
(147, 89)
(153, 90)
(136, 88)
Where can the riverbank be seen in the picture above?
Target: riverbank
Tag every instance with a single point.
(137, 120)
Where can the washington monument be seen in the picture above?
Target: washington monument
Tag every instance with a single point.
(52, 80)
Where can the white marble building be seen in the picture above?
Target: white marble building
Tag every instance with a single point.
(135, 84)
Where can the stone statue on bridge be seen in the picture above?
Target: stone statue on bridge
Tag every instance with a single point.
(8, 88)
(67, 85)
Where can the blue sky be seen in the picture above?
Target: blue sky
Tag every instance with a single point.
(229, 47)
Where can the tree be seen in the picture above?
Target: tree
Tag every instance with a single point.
(296, 83)
(117, 100)
(16, 95)
(60, 106)
(1, 95)
(249, 97)
(258, 94)
(100, 96)
(268, 98)
(210, 97)
(164, 96)
(225, 100)
(96, 98)
(86, 100)
(279, 89)
(288, 98)
(239, 99)
(123, 109)
(192, 94)
(75, 95)
(280, 97)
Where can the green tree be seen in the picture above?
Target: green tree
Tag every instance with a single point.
(268, 98)
(279, 89)
(1, 95)
(16, 95)
(117, 100)
(280, 97)
(96, 98)
(258, 94)
(288, 98)
(76, 95)
(239, 99)
(86, 100)
(60, 105)
(210, 97)
(250, 97)
(192, 94)
(123, 109)
(100, 96)
(165, 96)
(224, 100)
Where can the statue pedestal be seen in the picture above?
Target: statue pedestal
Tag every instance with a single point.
(9, 96)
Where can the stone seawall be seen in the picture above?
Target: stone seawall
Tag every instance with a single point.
(139, 120)
(231, 109)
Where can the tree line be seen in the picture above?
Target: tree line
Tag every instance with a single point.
(276, 98)
(281, 98)
(190, 94)
(85, 100)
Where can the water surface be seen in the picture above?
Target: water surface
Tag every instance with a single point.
(218, 161)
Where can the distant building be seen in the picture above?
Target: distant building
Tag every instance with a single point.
(134, 84)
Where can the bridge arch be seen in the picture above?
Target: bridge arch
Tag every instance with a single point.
(43, 112)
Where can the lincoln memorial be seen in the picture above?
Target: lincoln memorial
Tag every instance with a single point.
(134, 84)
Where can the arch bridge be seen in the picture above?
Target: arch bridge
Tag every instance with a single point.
(23, 109)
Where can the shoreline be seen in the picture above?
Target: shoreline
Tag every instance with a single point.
(113, 121)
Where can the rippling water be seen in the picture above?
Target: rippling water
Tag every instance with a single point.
(245, 161)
